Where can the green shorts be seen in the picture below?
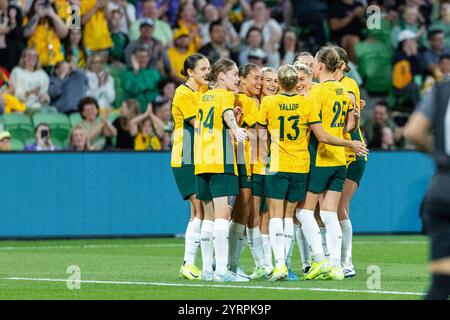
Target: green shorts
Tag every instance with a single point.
(326, 178)
(245, 180)
(185, 179)
(286, 186)
(263, 206)
(258, 185)
(216, 185)
(355, 170)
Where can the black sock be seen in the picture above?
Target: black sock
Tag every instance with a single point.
(440, 288)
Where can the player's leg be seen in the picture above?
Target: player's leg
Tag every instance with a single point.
(255, 239)
(289, 211)
(303, 247)
(323, 230)
(267, 247)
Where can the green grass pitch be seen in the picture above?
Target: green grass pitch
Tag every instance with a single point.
(148, 269)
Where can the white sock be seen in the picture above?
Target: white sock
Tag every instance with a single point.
(268, 266)
(242, 243)
(312, 233)
(323, 235)
(288, 240)
(192, 241)
(303, 248)
(206, 242)
(221, 230)
(277, 240)
(334, 236)
(347, 234)
(236, 236)
(256, 246)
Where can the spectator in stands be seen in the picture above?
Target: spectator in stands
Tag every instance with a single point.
(406, 72)
(95, 26)
(211, 13)
(187, 24)
(347, 20)
(166, 88)
(253, 40)
(119, 38)
(443, 23)
(141, 82)
(44, 30)
(68, 86)
(271, 29)
(257, 56)
(178, 53)
(444, 70)
(410, 21)
(217, 48)
(430, 58)
(158, 56)
(74, 51)
(98, 129)
(288, 47)
(79, 139)
(130, 109)
(5, 141)
(147, 130)
(43, 139)
(101, 84)
(373, 126)
(29, 82)
(10, 35)
(127, 13)
(163, 31)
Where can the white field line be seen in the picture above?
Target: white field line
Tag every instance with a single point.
(168, 245)
(162, 284)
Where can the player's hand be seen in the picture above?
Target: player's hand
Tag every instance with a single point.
(359, 148)
(240, 135)
(238, 113)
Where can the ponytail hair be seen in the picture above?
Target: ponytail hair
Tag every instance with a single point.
(191, 63)
(222, 65)
(330, 58)
(245, 70)
(344, 57)
(288, 77)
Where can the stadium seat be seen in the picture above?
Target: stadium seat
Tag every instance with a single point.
(75, 118)
(19, 126)
(17, 144)
(58, 122)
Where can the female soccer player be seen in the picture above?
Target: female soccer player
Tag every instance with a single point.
(327, 164)
(259, 214)
(355, 169)
(184, 110)
(247, 99)
(217, 183)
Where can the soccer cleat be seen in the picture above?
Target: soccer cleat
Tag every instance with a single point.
(306, 270)
(258, 273)
(317, 270)
(349, 271)
(207, 276)
(229, 276)
(268, 273)
(190, 272)
(334, 274)
(292, 276)
(242, 273)
(279, 274)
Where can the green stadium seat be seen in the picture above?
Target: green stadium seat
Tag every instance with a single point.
(75, 118)
(58, 122)
(17, 144)
(19, 126)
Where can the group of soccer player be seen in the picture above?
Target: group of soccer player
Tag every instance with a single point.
(271, 156)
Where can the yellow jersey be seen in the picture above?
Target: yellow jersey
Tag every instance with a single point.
(246, 155)
(177, 59)
(214, 151)
(184, 109)
(330, 100)
(96, 34)
(352, 88)
(287, 118)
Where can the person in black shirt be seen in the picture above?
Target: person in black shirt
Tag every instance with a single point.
(10, 35)
(130, 109)
(218, 47)
(433, 115)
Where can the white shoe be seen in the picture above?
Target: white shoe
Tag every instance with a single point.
(242, 273)
(349, 271)
(207, 276)
(229, 276)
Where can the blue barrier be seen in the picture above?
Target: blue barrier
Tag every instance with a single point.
(134, 194)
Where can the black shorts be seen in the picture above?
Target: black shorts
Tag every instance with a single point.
(435, 214)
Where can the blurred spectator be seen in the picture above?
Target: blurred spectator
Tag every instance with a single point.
(288, 47)
(29, 82)
(10, 34)
(130, 109)
(430, 58)
(97, 129)
(44, 30)
(253, 40)
(43, 139)
(443, 23)
(101, 84)
(257, 56)
(305, 58)
(187, 24)
(166, 87)
(409, 21)
(141, 82)
(217, 48)
(127, 11)
(158, 56)
(178, 53)
(373, 126)
(347, 20)
(444, 70)
(68, 86)
(5, 141)
(271, 30)
(95, 27)
(147, 130)
(163, 31)
(79, 139)
(119, 38)
(74, 52)
(406, 72)
(211, 14)
(163, 111)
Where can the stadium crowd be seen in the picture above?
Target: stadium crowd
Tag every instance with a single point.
(99, 74)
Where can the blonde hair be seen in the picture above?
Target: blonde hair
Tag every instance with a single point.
(288, 77)
(330, 58)
(79, 127)
(22, 59)
(267, 69)
(302, 67)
